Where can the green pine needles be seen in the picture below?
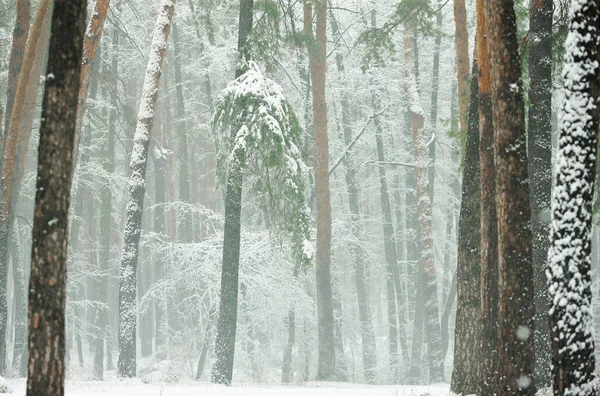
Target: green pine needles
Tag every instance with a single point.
(260, 135)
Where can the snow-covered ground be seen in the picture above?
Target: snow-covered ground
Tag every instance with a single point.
(137, 388)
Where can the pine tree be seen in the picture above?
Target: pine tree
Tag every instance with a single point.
(137, 189)
(515, 268)
(540, 170)
(47, 287)
(465, 378)
(569, 280)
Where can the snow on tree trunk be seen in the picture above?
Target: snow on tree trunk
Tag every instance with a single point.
(515, 267)
(47, 286)
(569, 280)
(540, 165)
(137, 189)
(93, 35)
(427, 266)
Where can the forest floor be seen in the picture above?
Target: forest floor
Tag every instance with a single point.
(137, 388)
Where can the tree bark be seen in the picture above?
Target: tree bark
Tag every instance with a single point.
(427, 267)
(461, 38)
(47, 287)
(17, 52)
(569, 270)
(93, 36)
(9, 163)
(222, 371)
(137, 189)
(540, 169)
(465, 378)
(515, 270)
(317, 59)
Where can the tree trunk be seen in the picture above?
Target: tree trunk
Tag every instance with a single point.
(137, 189)
(540, 169)
(369, 355)
(488, 369)
(222, 371)
(9, 163)
(427, 267)
(93, 36)
(465, 378)
(570, 260)
(47, 287)
(461, 39)
(160, 163)
(515, 270)
(17, 52)
(184, 176)
(318, 65)
(435, 88)
(108, 164)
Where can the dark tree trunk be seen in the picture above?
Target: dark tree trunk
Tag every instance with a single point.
(465, 378)
(47, 287)
(137, 189)
(317, 58)
(488, 369)
(515, 270)
(222, 371)
(570, 259)
(540, 170)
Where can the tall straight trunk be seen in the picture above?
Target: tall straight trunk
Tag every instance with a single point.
(137, 189)
(317, 59)
(461, 39)
(391, 259)
(93, 36)
(184, 175)
(569, 272)
(427, 266)
(108, 164)
(435, 88)
(9, 163)
(369, 355)
(465, 378)
(17, 52)
(540, 168)
(30, 107)
(515, 269)
(47, 287)
(160, 164)
(488, 369)
(222, 371)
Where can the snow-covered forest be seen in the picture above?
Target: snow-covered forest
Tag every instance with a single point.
(299, 197)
